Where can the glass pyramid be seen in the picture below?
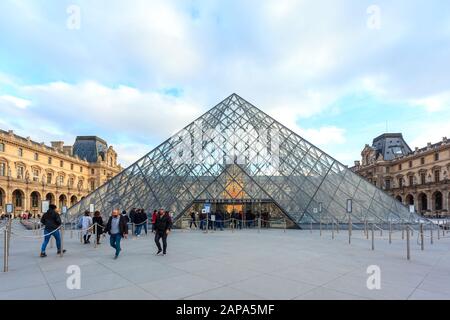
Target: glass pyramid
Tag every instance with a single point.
(236, 152)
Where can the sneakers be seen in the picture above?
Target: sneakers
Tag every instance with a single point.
(159, 251)
(43, 255)
(59, 251)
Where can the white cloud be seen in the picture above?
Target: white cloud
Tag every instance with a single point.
(434, 103)
(15, 101)
(324, 135)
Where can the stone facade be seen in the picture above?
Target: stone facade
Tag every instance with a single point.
(31, 172)
(420, 177)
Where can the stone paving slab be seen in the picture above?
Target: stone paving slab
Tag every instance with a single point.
(245, 264)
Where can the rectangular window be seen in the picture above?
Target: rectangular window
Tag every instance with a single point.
(437, 176)
(81, 169)
(49, 160)
(92, 185)
(36, 157)
(400, 166)
(411, 180)
(71, 182)
(2, 169)
(35, 175)
(19, 172)
(388, 169)
(92, 171)
(388, 184)
(436, 157)
(60, 180)
(71, 166)
(410, 164)
(400, 183)
(20, 152)
(423, 177)
(2, 147)
(422, 160)
(49, 178)
(61, 163)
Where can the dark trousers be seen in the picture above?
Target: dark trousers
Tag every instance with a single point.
(192, 222)
(161, 235)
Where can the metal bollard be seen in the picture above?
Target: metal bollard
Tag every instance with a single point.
(349, 230)
(332, 231)
(132, 229)
(373, 238)
(61, 253)
(51, 241)
(95, 235)
(408, 253)
(5, 251)
(259, 224)
(390, 232)
(365, 230)
(438, 231)
(285, 225)
(310, 229)
(403, 232)
(431, 233)
(320, 227)
(421, 237)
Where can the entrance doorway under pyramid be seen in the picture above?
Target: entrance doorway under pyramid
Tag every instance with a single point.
(236, 155)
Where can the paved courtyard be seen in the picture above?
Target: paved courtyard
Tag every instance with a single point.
(245, 264)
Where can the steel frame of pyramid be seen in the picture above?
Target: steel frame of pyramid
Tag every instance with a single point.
(275, 163)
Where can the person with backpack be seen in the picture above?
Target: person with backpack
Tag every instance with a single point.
(51, 221)
(117, 228)
(163, 225)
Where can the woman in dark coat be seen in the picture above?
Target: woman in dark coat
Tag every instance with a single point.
(98, 219)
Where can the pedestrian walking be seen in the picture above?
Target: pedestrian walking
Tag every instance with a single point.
(99, 229)
(51, 221)
(117, 228)
(86, 223)
(163, 225)
(192, 220)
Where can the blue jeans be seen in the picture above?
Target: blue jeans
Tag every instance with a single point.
(145, 227)
(55, 234)
(138, 229)
(114, 241)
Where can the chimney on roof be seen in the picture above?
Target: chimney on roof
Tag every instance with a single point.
(357, 163)
(58, 145)
(428, 145)
(10, 132)
(68, 150)
(444, 139)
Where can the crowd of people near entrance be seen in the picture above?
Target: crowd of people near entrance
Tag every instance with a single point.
(220, 220)
(117, 227)
(118, 223)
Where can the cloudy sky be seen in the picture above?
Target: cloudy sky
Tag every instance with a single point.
(338, 73)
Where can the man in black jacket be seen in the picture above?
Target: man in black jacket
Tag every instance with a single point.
(51, 221)
(163, 224)
(117, 228)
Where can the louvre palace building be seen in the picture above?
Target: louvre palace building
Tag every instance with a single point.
(31, 172)
(418, 177)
